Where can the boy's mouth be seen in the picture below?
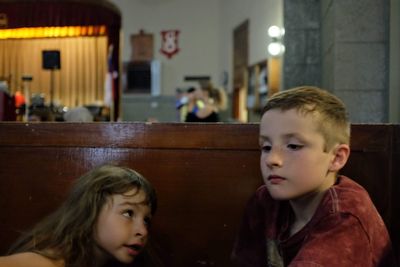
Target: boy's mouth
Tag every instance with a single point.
(275, 179)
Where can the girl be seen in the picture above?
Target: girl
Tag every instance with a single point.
(104, 221)
(213, 100)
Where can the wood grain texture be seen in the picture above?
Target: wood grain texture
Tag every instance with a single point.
(395, 191)
(203, 173)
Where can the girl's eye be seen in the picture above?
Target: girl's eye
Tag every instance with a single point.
(128, 213)
(147, 221)
(294, 146)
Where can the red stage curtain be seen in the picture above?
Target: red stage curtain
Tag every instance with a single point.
(43, 13)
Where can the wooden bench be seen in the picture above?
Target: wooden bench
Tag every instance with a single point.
(203, 173)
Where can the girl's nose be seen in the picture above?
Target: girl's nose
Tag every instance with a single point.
(140, 229)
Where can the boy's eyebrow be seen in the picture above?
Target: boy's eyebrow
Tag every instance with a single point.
(286, 136)
(290, 135)
(263, 138)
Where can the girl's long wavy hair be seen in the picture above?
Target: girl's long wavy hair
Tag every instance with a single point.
(67, 233)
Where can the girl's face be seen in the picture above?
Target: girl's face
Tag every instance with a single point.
(199, 94)
(121, 230)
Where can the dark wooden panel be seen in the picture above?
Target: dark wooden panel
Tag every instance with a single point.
(145, 135)
(395, 219)
(369, 163)
(202, 190)
(204, 175)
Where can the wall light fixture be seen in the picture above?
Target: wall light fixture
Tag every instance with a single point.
(275, 47)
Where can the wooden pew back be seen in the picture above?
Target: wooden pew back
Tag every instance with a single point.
(203, 173)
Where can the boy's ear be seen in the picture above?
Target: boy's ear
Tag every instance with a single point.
(341, 153)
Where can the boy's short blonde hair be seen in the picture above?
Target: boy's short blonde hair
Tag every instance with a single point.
(329, 111)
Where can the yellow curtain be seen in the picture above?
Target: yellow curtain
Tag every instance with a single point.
(80, 81)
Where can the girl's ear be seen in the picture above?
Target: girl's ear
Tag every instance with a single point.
(341, 153)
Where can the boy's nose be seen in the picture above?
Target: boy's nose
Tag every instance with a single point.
(274, 158)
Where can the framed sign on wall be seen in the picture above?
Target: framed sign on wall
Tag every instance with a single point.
(142, 46)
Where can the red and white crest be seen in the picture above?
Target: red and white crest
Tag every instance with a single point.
(169, 44)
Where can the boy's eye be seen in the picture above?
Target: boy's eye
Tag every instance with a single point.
(266, 148)
(294, 146)
(128, 213)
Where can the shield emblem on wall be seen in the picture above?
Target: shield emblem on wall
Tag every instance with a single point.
(169, 43)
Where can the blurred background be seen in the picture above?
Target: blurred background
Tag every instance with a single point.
(141, 60)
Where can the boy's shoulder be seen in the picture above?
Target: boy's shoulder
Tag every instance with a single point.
(345, 198)
(345, 215)
(342, 196)
(348, 198)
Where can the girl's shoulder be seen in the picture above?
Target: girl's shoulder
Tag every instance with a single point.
(29, 259)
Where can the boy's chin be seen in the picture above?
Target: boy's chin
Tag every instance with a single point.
(279, 195)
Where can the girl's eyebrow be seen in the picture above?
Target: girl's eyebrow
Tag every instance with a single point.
(131, 203)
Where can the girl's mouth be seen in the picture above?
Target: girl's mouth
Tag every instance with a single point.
(134, 249)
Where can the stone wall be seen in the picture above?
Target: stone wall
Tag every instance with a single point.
(302, 59)
(341, 45)
(355, 55)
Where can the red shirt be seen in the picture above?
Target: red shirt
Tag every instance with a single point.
(346, 230)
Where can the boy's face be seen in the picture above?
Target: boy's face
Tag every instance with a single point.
(121, 231)
(293, 161)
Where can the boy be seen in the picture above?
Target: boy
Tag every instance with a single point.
(306, 214)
